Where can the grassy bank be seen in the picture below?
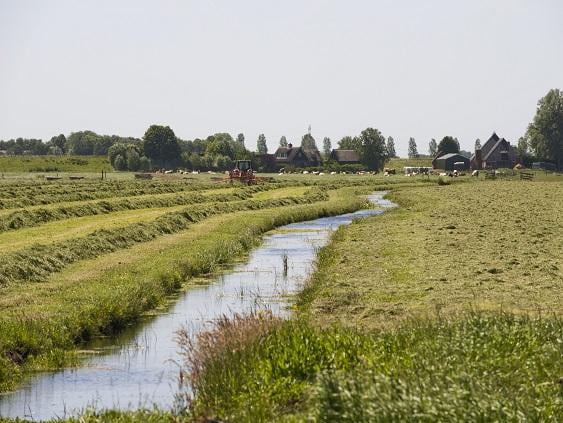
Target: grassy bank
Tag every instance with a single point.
(90, 297)
(444, 309)
(471, 367)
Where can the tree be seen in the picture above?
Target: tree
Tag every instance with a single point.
(59, 141)
(448, 145)
(145, 164)
(224, 163)
(261, 146)
(391, 147)
(133, 159)
(161, 145)
(82, 142)
(522, 146)
(373, 149)
(283, 141)
(55, 151)
(221, 144)
(477, 144)
(119, 149)
(240, 140)
(545, 132)
(413, 150)
(432, 148)
(308, 142)
(327, 147)
(350, 143)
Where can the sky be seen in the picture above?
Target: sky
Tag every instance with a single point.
(421, 69)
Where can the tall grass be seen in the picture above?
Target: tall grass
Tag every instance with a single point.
(471, 367)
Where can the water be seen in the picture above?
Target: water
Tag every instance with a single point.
(139, 369)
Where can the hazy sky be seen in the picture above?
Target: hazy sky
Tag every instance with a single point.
(417, 69)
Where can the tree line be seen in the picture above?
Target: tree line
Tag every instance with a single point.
(81, 143)
(159, 147)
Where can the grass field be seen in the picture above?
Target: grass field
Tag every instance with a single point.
(445, 308)
(468, 246)
(124, 254)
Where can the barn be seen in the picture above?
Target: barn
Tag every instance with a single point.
(345, 156)
(447, 161)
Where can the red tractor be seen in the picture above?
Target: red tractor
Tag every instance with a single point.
(243, 173)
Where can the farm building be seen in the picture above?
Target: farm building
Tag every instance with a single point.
(297, 157)
(345, 156)
(451, 161)
(494, 154)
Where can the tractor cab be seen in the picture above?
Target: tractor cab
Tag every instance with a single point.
(243, 173)
(243, 165)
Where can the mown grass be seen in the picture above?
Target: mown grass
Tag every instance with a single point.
(487, 245)
(34, 216)
(40, 322)
(36, 262)
(17, 196)
(61, 230)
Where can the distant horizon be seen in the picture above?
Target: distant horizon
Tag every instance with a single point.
(410, 70)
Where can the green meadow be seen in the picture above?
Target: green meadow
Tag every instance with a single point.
(445, 308)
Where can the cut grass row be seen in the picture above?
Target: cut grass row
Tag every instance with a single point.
(25, 218)
(33, 216)
(18, 197)
(61, 230)
(40, 321)
(38, 261)
(57, 231)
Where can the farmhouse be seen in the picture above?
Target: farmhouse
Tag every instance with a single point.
(297, 157)
(345, 156)
(495, 153)
(451, 161)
